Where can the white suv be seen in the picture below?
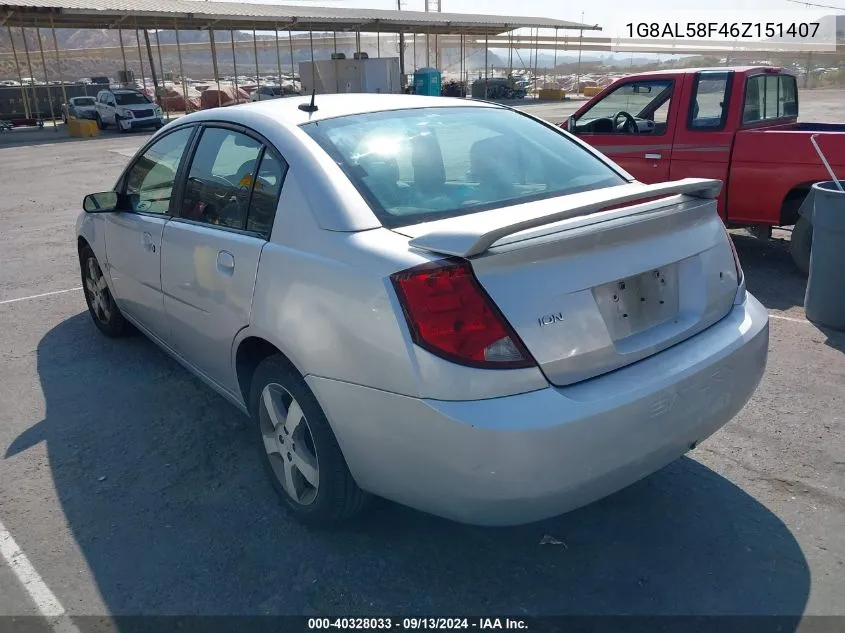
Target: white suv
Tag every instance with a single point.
(127, 110)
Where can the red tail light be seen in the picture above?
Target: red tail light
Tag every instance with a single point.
(450, 315)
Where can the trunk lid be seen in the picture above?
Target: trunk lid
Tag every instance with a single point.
(591, 286)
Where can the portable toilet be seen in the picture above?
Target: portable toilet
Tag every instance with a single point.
(427, 82)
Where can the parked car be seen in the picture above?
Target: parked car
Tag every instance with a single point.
(739, 125)
(443, 302)
(80, 108)
(127, 109)
(263, 93)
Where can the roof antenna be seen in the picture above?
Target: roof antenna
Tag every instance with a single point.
(309, 107)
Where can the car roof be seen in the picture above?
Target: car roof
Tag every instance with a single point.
(286, 111)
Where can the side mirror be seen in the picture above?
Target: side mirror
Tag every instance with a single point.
(570, 124)
(101, 202)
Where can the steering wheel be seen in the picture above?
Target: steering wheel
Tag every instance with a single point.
(630, 127)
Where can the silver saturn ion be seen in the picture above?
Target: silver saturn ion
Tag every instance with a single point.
(446, 303)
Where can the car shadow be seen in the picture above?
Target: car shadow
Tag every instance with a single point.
(161, 487)
(770, 273)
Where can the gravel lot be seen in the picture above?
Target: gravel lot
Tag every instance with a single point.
(133, 489)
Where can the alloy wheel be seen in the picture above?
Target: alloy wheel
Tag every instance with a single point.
(289, 444)
(97, 291)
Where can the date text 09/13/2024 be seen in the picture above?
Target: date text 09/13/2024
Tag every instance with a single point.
(683, 30)
(417, 624)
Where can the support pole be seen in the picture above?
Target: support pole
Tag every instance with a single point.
(255, 52)
(24, 98)
(461, 67)
(536, 62)
(378, 40)
(486, 67)
(428, 50)
(181, 67)
(46, 83)
(58, 61)
(152, 65)
(334, 41)
(278, 56)
(402, 58)
(122, 49)
(580, 47)
(163, 82)
(292, 65)
(555, 63)
(141, 58)
(415, 51)
(235, 65)
(213, 42)
(313, 69)
(401, 48)
(510, 56)
(37, 112)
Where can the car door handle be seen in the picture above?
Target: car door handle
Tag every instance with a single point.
(654, 156)
(226, 263)
(147, 241)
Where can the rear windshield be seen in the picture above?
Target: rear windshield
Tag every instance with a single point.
(84, 101)
(430, 163)
(130, 98)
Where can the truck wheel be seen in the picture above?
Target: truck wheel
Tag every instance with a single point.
(801, 244)
(101, 125)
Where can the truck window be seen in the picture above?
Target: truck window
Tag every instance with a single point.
(709, 104)
(646, 102)
(769, 97)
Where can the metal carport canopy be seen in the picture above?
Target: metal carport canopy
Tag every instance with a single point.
(195, 14)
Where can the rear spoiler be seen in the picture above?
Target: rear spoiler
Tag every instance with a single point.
(470, 235)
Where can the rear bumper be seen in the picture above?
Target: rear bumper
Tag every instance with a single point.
(530, 456)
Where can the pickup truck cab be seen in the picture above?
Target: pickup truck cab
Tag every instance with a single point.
(739, 125)
(127, 110)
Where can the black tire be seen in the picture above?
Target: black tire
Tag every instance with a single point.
(337, 497)
(105, 313)
(801, 243)
(100, 123)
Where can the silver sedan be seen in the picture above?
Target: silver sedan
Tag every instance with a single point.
(446, 303)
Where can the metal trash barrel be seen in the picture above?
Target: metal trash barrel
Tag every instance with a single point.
(824, 302)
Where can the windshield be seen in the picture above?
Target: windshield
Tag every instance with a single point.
(130, 98)
(429, 163)
(84, 101)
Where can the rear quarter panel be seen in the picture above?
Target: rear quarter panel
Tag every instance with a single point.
(768, 163)
(324, 298)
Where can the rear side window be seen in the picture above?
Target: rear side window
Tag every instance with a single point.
(709, 105)
(769, 97)
(220, 179)
(429, 163)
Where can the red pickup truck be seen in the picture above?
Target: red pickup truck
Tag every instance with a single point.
(739, 125)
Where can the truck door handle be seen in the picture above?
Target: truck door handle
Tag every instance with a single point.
(226, 263)
(654, 156)
(147, 241)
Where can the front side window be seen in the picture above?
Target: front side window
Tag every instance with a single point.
(428, 163)
(636, 107)
(708, 106)
(220, 178)
(149, 182)
(769, 97)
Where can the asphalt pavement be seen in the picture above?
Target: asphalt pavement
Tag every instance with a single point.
(133, 489)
